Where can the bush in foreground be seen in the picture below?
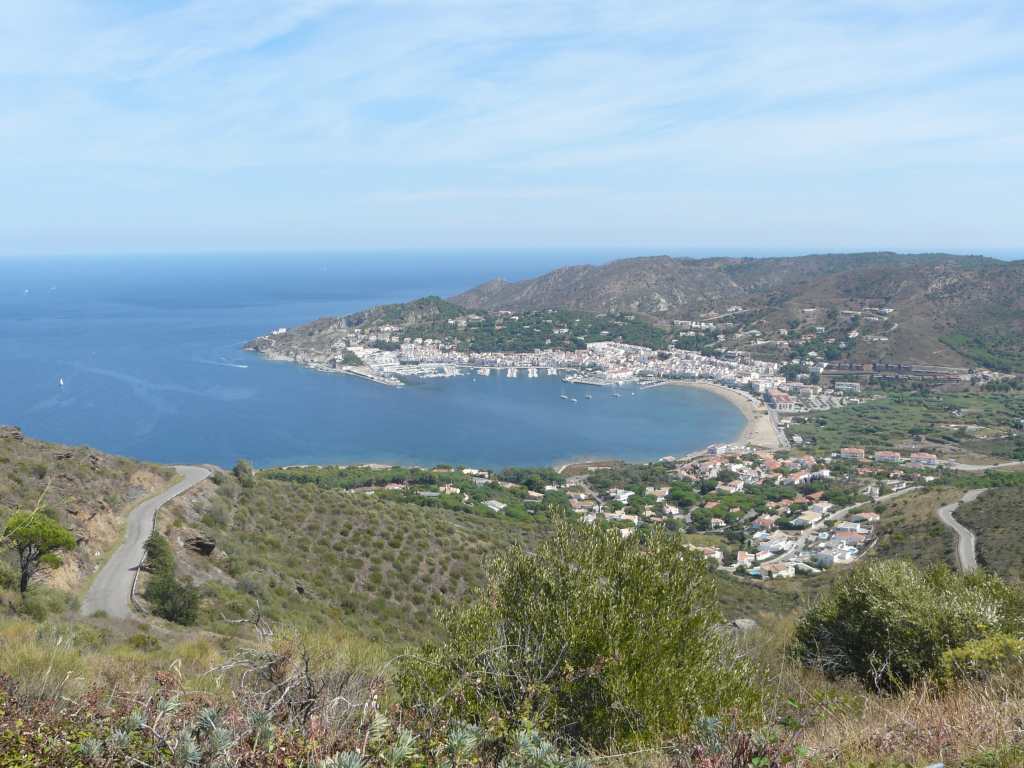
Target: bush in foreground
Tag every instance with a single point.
(889, 623)
(594, 639)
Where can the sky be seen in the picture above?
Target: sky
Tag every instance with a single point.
(197, 125)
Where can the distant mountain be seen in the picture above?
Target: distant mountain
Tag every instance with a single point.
(948, 309)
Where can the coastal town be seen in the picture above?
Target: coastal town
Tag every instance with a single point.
(381, 355)
(782, 379)
(791, 370)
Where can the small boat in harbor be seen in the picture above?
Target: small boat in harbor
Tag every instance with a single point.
(564, 396)
(60, 382)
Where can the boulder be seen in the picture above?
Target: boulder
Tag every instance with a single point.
(204, 545)
(743, 625)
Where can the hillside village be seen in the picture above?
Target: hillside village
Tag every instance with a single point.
(752, 513)
(775, 515)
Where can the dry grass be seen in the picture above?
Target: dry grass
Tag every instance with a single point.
(810, 722)
(923, 726)
(839, 724)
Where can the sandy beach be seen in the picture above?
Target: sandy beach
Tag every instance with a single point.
(759, 431)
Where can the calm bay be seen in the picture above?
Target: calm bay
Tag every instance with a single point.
(149, 351)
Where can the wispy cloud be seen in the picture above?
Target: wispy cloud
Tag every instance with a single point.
(226, 122)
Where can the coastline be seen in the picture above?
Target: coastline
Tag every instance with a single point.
(759, 431)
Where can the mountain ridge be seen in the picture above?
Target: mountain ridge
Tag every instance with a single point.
(956, 309)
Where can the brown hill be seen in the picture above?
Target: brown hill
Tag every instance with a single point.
(946, 309)
(87, 491)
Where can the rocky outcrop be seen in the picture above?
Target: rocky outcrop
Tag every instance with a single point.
(10, 433)
(203, 545)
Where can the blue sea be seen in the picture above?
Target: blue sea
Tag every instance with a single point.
(150, 352)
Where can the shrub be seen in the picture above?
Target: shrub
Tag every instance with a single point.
(172, 599)
(159, 556)
(889, 623)
(243, 471)
(8, 576)
(40, 602)
(982, 658)
(143, 642)
(594, 639)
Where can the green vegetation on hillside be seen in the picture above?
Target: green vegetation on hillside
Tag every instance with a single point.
(170, 597)
(997, 520)
(625, 661)
(909, 528)
(77, 481)
(79, 496)
(317, 555)
(442, 488)
(992, 346)
(433, 318)
(37, 541)
(934, 308)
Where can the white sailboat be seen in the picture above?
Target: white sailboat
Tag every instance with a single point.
(60, 382)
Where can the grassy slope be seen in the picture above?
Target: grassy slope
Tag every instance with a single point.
(910, 530)
(893, 421)
(997, 519)
(379, 567)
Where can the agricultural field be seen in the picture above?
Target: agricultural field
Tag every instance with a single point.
(312, 555)
(965, 425)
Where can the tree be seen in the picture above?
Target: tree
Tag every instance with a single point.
(593, 638)
(683, 496)
(37, 539)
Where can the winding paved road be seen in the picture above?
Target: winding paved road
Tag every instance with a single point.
(111, 590)
(965, 539)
